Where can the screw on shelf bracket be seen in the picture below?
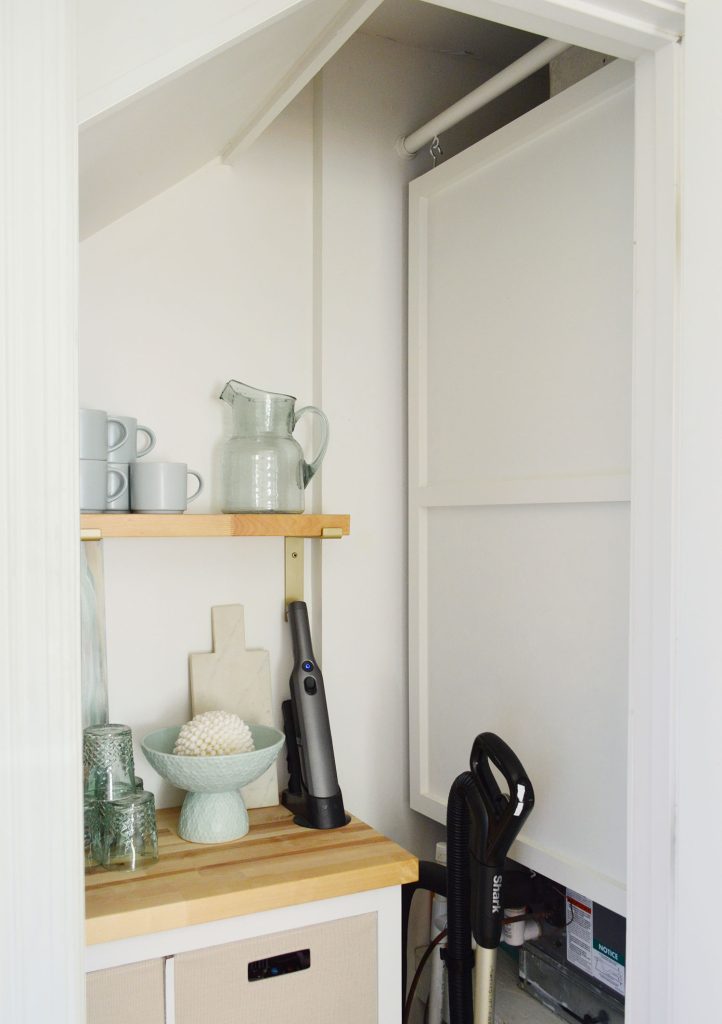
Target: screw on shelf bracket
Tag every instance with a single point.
(293, 558)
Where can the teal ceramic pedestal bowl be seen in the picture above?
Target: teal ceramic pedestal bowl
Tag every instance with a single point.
(213, 810)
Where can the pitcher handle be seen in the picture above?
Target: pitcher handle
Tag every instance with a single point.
(310, 468)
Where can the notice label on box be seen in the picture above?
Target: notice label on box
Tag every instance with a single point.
(579, 931)
(596, 941)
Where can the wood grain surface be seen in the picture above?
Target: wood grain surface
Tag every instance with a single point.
(236, 678)
(188, 525)
(277, 864)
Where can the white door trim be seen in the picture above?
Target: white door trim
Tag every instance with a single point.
(40, 670)
(622, 28)
(41, 864)
(651, 794)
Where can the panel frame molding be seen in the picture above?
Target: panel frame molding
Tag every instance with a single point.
(653, 42)
(564, 109)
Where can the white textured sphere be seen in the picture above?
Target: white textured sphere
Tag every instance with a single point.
(213, 733)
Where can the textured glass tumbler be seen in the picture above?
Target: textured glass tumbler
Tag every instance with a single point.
(92, 831)
(108, 768)
(130, 837)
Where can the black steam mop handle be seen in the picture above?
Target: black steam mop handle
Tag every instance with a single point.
(505, 815)
(496, 820)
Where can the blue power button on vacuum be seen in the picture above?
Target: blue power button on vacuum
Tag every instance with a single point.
(308, 666)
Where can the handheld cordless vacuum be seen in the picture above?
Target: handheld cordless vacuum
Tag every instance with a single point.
(482, 823)
(313, 793)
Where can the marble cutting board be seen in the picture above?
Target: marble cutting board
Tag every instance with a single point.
(233, 678)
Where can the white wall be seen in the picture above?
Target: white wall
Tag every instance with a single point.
(287, 271)
(373, 91)
(211, 280)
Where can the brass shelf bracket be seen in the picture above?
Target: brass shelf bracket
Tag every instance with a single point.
(294, 569)
(294, 563)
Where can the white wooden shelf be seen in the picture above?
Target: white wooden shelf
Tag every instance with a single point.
(97, 527)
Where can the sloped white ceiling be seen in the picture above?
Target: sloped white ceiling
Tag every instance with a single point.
(139, 143)
(165, 87)
(430, 27)
(126, 47)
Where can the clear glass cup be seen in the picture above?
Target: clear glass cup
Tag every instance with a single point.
(92, 831)
(108, 767)
(130, 836)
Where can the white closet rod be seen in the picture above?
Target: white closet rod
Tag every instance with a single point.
(507, 78)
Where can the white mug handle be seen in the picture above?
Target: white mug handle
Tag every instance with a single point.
(113, 496)
(123, 436)
(192, 472)
(151, 442)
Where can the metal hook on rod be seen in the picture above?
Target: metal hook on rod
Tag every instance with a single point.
(539, 57)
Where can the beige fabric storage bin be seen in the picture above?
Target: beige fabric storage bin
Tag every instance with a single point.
(339, 987)
(132, 994)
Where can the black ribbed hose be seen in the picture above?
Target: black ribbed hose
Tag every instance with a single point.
(432, 876)
(459, 956)
(453, 882)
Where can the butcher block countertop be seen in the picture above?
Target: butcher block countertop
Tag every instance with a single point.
(276, 865)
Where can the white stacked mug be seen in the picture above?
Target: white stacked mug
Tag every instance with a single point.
(112, 479)
(123, 442)
(161, 487)
(99, 483)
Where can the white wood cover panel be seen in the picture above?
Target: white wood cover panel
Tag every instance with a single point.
(527, 637)
(520, 364)
(520, 397)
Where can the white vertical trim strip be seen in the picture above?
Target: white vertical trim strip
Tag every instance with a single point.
(418, 477)
(698, 486)
(41, 871)
(651, 784)
(170, 990)
(388, 954)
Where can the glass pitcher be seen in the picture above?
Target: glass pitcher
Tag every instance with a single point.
(263, 468)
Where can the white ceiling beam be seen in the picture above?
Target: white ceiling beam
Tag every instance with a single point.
(350, 18)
